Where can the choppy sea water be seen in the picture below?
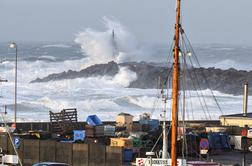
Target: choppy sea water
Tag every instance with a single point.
(101, 95)
(106, 96)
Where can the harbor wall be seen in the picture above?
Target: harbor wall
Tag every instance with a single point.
(46, 126)
(76, 154)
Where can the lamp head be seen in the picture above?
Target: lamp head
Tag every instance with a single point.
(13, 45)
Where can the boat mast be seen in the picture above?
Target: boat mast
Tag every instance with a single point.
(165, 140)
(175, 87)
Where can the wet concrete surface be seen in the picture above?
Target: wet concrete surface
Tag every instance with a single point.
(231, 158)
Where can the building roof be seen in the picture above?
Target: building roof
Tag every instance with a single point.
(249, 115)
(124, 114)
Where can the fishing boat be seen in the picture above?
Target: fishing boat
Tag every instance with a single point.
(178, 84)
(175, 88)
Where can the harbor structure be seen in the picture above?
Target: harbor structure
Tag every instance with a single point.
(242, 119)
(236, 120)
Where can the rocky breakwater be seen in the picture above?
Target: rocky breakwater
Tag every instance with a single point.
(226, 81)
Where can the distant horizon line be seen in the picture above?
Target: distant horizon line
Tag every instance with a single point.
(141, 43)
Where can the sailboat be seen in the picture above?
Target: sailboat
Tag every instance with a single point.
(175, 88)
(173, 160)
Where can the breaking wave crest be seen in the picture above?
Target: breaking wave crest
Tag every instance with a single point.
(116, 43)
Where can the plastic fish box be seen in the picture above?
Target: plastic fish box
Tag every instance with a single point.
(99, 131)
(109, 130)
(93, 120)
(90, 131)
(121, 142)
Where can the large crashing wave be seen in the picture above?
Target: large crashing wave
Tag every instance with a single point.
(105, 96)
(116, 43)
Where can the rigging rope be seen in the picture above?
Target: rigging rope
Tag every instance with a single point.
(198, 93)
(203, 74)
(184, 38)
(193, 81)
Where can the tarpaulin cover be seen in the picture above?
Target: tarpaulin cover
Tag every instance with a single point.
(218, 141)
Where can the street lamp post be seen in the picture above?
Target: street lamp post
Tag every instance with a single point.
(14, 45)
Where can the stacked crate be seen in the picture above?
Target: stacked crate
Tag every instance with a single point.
(99, 134)
(121, 142)
(90, 131)
(100, 131)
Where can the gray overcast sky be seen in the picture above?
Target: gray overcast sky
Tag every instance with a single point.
(205, 21)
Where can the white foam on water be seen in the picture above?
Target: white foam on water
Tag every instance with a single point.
(107, 102)
(125, 77)
(229, 63)
(56, 45)
(105, 96)
(52, 58)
